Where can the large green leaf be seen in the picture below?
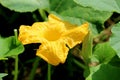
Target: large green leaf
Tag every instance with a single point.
(25, 5)
(107, 72)
(88, 14)
(115, 38)
(2, 75)
(70, 9)
(115, 61)
(9, 47)
(61, 5)
(104, 52)
(104, 72)
(102, 5)
(91, 71)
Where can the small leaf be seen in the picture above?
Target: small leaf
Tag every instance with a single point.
(2, 75)
(9, 48)
(101, 5)
(87, 47)
(25, 5)
(115, 38)
(104, 52)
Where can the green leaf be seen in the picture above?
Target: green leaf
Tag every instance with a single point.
(115, 38)
(101, 5)
(9, 48)
(104, 52)
(87, 47)
(73, 20)
(107, 72)
(93, 29)
(25, 5)
(115, 61)
(91, 71)
(70, 9)
(2, 75)
(88, 14)
(61, 5)
(103, 72)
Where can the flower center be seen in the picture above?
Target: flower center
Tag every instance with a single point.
(52, 34)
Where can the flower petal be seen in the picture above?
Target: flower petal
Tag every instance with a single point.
(76, 35)
(53, 19)
(53, 52)
(56, 20)
(34, 34)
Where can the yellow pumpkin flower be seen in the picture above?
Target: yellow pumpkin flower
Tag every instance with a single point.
(55, 37)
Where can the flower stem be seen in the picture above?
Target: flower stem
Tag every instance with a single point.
(35, 65)
(16, 68)
(43, 14)
(16, 36)
(49, 72)
(79, 64)
(16, 56)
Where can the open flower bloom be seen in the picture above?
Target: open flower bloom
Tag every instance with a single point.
(55, 37)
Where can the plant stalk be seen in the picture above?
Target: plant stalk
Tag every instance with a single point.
(43, 14)
(79, 64)
(16, 56)
(49, 72)
(35, 65)
(16, 68)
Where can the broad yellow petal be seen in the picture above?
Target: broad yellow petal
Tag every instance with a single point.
(76, 35)
(54, 19)
(32, 34)
(53, 52)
